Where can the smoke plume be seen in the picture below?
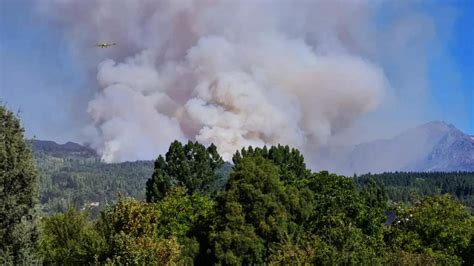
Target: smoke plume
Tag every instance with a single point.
(232, 73)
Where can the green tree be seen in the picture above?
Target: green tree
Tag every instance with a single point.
(437, 226)
(186, 217)
(70, 239)
(192, 166)
(342, 221)
(130, 230)
(292, 168)
(374, 206)
(253, 213)
(18, 193)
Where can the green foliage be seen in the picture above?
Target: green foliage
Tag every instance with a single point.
(70, 238)
(180, 212)
(80, 182)
(130, 230)
(186, 217)
(295, 250)
(292, 167)
(400, 186)
(18, 193)
(192, 166)
(254, 212)
(436, 225)
(250, 211)
(267, 208)
(348, 223)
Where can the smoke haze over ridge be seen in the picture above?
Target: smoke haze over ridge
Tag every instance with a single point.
(240, 73)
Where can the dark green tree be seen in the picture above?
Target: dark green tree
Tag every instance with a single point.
(192, 166)
(292, 168)
(253, 213)
(341, 220)
(372, 216)
(18, 193)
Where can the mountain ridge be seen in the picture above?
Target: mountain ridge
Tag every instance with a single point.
(433, 146)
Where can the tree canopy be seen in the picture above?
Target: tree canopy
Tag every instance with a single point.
(192, 166)
(270, 209)
(18, 193)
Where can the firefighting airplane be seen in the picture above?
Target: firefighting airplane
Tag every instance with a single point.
(105, 45)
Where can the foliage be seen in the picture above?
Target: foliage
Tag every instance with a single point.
(192, 166)
(437, 225)
(130, 230)
(186, 217)
(268, 208)
(298, 249)
(290, 161)
(18, 193)
(85, 182)
(70, 238)
(254, 212)
(401, 186)
(348, 223)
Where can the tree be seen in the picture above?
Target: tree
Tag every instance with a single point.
(340, 218)
(70, 239)
(252, 214)
(130, 230)
(438, 226)
(292, 167)
(192, 166)
(18, 193)
(374, 201)
(186, 217)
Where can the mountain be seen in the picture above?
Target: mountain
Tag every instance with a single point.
(434, 146)
(69, 149)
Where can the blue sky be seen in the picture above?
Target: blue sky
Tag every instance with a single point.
(39, 75)
(452, 73)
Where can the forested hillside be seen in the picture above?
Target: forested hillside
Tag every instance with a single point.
(266, 208)
(72, 175)
(272, 210)
(406, 186)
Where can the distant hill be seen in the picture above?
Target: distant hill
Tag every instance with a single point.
(69, 149)
(434, 146)
(73, 175)
(408, 186)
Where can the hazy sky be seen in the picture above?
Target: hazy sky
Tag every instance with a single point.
(43, 78)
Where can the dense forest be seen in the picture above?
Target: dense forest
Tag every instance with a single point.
(75, 176)
(265, 208)
(91, 184)
(406, 187)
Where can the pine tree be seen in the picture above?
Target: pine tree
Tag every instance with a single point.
(18, 193)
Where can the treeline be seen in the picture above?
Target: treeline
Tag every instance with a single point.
(407, 186)
(84, 181)
(272, 209)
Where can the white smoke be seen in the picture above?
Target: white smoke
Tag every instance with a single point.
(232, 73)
